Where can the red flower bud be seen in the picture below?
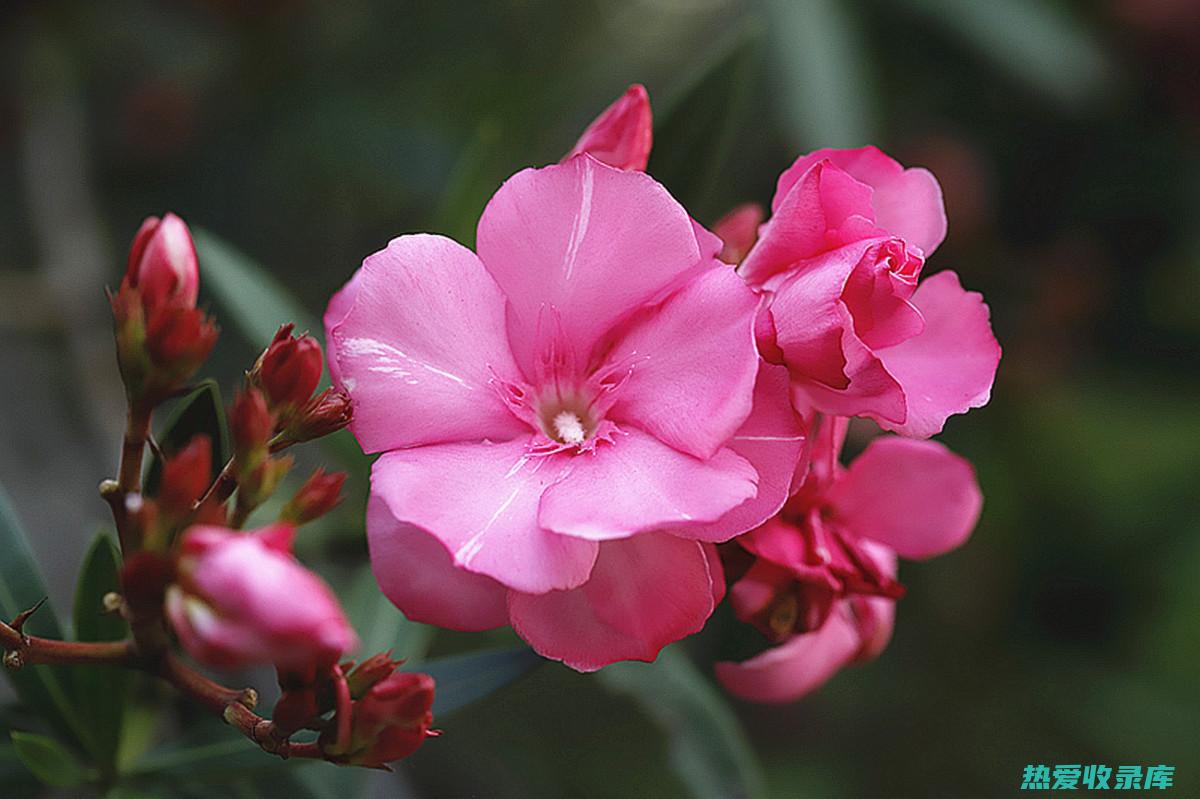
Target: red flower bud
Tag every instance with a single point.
(251, 425)
(179, 339)
(326, 413)
(363, 677)
(162, 264)
(185, 477)
(290, 369)
(391, 720)
(319, 494)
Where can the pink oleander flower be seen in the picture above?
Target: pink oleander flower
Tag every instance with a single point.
(567, 418)
(823, 582)
(623, 133)
(242, 599)
(861, 334)
(162, 264)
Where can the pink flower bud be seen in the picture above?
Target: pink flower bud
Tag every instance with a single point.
(393, 719)
(179, 339)
(241, 599)
(250, 425)
(622, 135)
(162, 264)
(319, 494)
(290, 369)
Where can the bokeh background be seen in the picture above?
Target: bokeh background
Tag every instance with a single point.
(306, 134)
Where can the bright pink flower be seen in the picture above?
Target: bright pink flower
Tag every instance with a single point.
(162, 264)
(241, 599)
(823, 582)
(841, 258)
(564, 418)
(623, 133)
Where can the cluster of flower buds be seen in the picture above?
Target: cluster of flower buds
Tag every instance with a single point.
(235, 599)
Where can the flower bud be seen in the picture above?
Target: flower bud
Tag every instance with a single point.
(390, 722)
(622, 135)
(319, 494)
(363, 677)
(251, 426)
(326, 413)
(162, 264)
(242, 600)
(185, 477)
(290, 369)
(178, 340)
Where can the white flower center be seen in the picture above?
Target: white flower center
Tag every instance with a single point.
(568, 428)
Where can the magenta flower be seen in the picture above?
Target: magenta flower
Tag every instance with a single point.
(623, 133)
(566, 419)
(841, 258)
(241, 599)
(823, 584)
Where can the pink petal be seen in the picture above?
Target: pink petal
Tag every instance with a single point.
(950, 366)
(645, 592)
(915, 497)
(807, 220)
(907, 202)
(419, 346)
(738, 230)
(480, 500)
(339, 306)
(803, 664)
(623, 133)
(637, 484)
(875, 616)
(414, 570)
(582, 245)
(716, 573)
(772, 440)
(693, 364)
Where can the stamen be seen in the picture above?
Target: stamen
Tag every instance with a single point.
(569, 428)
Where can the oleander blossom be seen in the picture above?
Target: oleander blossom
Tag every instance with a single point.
(823, 580)
(861, 334)
(567, 419)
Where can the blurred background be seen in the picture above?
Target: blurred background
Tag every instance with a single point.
(306, 134)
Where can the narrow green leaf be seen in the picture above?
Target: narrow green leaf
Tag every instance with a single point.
(464, 679)
(822, 82)
(41, 688)
(199, 413)
(476, 176)
(255, 301)
(48, 760)
(230, 755)
(100, 692)
(709, 750)
(380, 625)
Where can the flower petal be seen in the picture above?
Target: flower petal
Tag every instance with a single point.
(916, 497)
(803, 664)
(418, 347)
(637, 484)
(644, 593)
(693, 364)
(950, 366)
(339, 306)
(738, 230)
(586, 243)
(623, 133)
(414, 570)
(772, 440)
(480, 500)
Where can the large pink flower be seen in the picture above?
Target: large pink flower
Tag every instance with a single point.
(566, 419)
(822, 584)
(841, 258)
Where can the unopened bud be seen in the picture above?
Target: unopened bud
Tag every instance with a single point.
(185, 477)
(363, 677)
(162, 264)
(251, 426)
(319, 494)
(179, 339)
(389, 722)
(326, 413)
(290, 369)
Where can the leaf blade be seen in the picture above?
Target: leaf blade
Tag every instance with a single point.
(464, 679)
(47, 760)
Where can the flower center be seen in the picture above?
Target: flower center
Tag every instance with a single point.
(568, 428)
(567, 420)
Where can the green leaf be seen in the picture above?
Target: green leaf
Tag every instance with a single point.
(256, 302)
(199, 413)
(100, 691)
(477, 174)
(822, 82)
(1039, 43)
(225, 757)
(41, 688)
(380, 625)
(709, 750)
(48, 760)
(464, 679)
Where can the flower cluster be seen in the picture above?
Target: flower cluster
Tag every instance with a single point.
(572, 417)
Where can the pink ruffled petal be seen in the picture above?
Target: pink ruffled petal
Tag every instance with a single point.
(414, 570)
(623, 133)
(907, 202)
(950, 366)
(738, 230)
(803, 664)
(693, 364)
(875, 616)
(418, 348)
(809, 219)
(583, 244)
(637, 484)
(645, 593)
(916, 497)
(480, 500)
(339, 306)
(772, 440)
